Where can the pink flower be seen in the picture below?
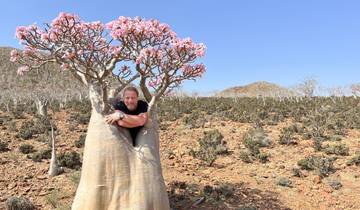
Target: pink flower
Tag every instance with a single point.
(69, 55)
(65, 66)
(154, 81)
(139, 59)
(45, 37)
(22, 69)
(200, 51)
(14, 55)
(21, 32)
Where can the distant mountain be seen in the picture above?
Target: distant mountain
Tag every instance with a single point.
(255, 89)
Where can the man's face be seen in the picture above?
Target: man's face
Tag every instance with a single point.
(130, 99)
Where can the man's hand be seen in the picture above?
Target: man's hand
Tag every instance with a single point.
(114, 117)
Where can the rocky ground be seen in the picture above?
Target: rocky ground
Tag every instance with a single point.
(228, 184)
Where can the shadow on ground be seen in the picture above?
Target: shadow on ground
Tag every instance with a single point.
(223, 196)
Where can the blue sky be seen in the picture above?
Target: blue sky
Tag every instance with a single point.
(279, 41)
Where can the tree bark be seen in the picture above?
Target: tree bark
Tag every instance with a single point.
(53, 169)
(115, 175)
(41, 106)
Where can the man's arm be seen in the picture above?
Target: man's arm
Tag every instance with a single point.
(131, 121)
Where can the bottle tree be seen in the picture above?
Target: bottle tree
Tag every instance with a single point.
(114, 174)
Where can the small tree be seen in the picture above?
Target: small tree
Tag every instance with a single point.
(114, 174)
(307, 87)
(355, 90)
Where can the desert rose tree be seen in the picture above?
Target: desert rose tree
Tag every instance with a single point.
(115, 175)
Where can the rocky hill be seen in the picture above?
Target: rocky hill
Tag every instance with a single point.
(255, 89)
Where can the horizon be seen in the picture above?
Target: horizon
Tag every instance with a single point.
(279, 42)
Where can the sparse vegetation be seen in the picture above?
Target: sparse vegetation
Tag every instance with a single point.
(26, 148)
(325, 127)
(339, 149)
(81, 141)
(3, 146)
(38, 156)
(17, 203)
(284, 181)
(253, 140)
(211, 145)
(323, 165)
(70, 160)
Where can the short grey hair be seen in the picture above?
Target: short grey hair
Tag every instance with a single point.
(131, 88)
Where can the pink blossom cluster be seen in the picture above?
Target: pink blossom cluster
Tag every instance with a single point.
(14, 55)
(151, 45)
(155, 81)
(125, 26)
(22, 69)
(147, 54)
(196, 70)
(186, 45)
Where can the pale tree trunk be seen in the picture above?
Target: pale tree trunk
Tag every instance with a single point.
(53, 169)
(41, 107)
(7, 104)
(115, 175)
(15, 103)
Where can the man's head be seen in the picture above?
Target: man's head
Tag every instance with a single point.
(130, 96)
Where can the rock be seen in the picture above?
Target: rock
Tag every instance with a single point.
(315, 187)
(28, 177)
(41, 177)
(328, 190)
(12, 186)
(42, 193)
(317, 180)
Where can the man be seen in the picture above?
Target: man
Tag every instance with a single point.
(130, 113)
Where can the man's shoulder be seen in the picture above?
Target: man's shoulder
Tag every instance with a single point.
(142, 102)
(142, 106)
(120, 105)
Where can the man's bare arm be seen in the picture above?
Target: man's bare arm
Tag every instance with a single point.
(131, 121)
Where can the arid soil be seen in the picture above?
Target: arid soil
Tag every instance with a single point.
(228, 184)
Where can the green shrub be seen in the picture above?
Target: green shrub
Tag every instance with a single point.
(246, 157)
(339, 149)
(11, 125)
(4, 146)
(323, 165)
(81, 141)
(263, 157)
(318, 143)
(70, 160)
(25, 133)
(26, 148)
(297, 172)
(38, 156)
(335, 184)
(355, 160)
(287, 138)
(211, 145)
(17, 203)
(255, 139)
(284, 181)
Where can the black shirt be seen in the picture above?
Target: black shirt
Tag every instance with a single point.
(142, 107)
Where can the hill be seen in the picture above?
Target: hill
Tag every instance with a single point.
(256, 89)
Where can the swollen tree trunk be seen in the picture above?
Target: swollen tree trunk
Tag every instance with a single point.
(115, 175)
(53, 169)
